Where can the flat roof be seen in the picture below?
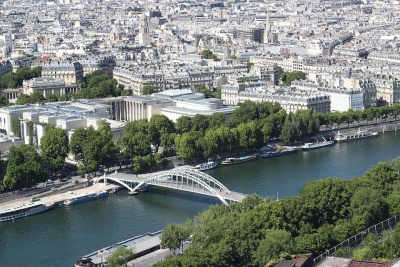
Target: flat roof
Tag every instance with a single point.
(140, 243)
(334, 262)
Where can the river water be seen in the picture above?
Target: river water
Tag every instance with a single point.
(62, 235)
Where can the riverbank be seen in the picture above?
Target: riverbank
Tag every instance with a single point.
(57, 198)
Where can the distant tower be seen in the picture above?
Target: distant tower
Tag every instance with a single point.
(267, 31)
(144, 34)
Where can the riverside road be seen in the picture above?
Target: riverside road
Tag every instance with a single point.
(62, 235)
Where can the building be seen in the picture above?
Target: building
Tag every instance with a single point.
(267, 72)
(162, 80)
(46, 85)
(105, 64)
(144, 31)
(130, 108)
(387, 89)
(5, 67)
(70, 72)
(171, 103)
(290, 100)
(253, 34)
(344, 99)
(65, 115)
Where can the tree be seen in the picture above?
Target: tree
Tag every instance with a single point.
(79, 138)
(23, 167)
(329, 197)
(120, 257)
(208, 54)
(184, 124)
(367, 207)
(249, 66)
(272, 246)
(54, 148)
(3, 101)
(289, 132)
(246, 112)
(174, 234)
(250, 135)
(127, 92)
(148, 90)
(288, 77)
(383, 176)
(51, 98)
(137, 144)
(170, 237)
(200, 123)
(189, 145)
(158, 125)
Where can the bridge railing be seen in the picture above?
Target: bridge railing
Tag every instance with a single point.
(358, 238)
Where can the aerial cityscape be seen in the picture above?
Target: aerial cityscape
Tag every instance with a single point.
(179, 133)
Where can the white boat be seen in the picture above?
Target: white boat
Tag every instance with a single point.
(206, 166)
(85, 197)
(360, 134)
(23, 211)
(308, 146)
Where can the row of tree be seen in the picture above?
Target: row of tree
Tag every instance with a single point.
(263, 231)
(251, 126)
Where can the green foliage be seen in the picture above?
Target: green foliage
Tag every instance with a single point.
(367, 207)
(147, 163)
(16, 126)
(244, 80)
(382, 176)
(208, 93)
(120, 257)
(4, 101)
(208, 54)
(290, 132)
(262, 232)
(158, 125)
(385, 247)
(54, 148)
(51, 98)
(13, 80)
(127, 92)
(31, 132)
(23, 168)
(173, 235)
(232, 57)
(272, 246)
(288, 77)
(249, 66)
(34, 98)
(94, 148)
(189, 145)
(148, 90)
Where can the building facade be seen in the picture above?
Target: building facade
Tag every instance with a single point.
(70, 72)
(49, 85)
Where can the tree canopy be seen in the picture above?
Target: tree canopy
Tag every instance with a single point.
(262, 232)
(54, 147)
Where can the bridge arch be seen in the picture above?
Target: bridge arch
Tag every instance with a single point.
(185, 179)
(117, 180)
(196, 176)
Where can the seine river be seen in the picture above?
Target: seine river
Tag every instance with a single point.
(64, 234)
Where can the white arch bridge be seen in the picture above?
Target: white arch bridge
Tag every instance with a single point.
(184, 179)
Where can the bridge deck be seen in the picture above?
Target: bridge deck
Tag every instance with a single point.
(189, 187)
